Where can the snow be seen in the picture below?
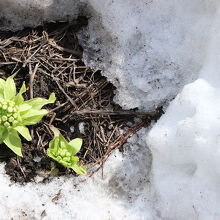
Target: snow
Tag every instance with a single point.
(119, 195)
(148, 49)
(185, 146)
(82, 127)
(17, 14)
(151, 51)
(144, 47)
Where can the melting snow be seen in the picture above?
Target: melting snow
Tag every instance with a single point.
(149, 50)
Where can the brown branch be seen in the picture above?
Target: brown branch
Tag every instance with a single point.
(109, 112)
(62, 90)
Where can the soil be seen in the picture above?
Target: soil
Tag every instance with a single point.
(49, 59)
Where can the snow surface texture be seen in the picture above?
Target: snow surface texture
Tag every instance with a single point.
(120, 195)
(17, 14)
(175, 42)
(148, 49)
(185, 145)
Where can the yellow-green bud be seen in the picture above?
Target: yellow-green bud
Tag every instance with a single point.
(10, 109)
(68, 154)
(54, 153)
(11, 119)
(62, 153)
(8, 113)
(6, 124)
(15, 122)
(4, 118)
(66, 159)
(59, 158)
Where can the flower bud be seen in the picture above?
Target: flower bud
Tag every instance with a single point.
(62, 153)
(59, 158)
(7, 124)
(15, 122)
(4, 118)
(68, 154)
(9, 113)
(10, 109)
(65, 159)
(11, 119)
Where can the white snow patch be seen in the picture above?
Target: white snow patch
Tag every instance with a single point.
(148, 49)
(122, 194)
(185, 145)
(17, 14)
(82, 127)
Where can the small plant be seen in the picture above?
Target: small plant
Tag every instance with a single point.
(64, 152)
(15, 114)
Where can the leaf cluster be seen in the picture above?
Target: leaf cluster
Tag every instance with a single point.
(16, 114)
(64, 152)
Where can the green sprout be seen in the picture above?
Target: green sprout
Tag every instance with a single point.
(64, 152)
(15, 114)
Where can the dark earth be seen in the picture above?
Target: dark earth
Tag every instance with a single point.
(49, 59)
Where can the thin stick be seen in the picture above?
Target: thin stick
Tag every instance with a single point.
(109, 112)
(29, 58)
(32, 75)
(62, 90)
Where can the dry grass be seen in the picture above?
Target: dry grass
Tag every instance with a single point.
(49, 59)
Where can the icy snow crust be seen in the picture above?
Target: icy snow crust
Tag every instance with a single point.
(149, 50)
(17, 14)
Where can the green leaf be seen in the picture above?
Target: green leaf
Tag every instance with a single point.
(33, 116)
(59, 145)
(23, 108)
(62, 141)
(24, 132)
(76, 145)
(55, 131)
(2, 83)
(2, 86)
(38, 103)
(19, 99)
(3, 133)
(9, 88)
(79, 169)
(13, 141)
(54, 144)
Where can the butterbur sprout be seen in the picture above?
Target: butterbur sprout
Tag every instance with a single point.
(16, 114)
(64, 152)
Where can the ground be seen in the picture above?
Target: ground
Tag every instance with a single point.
(49, 59)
